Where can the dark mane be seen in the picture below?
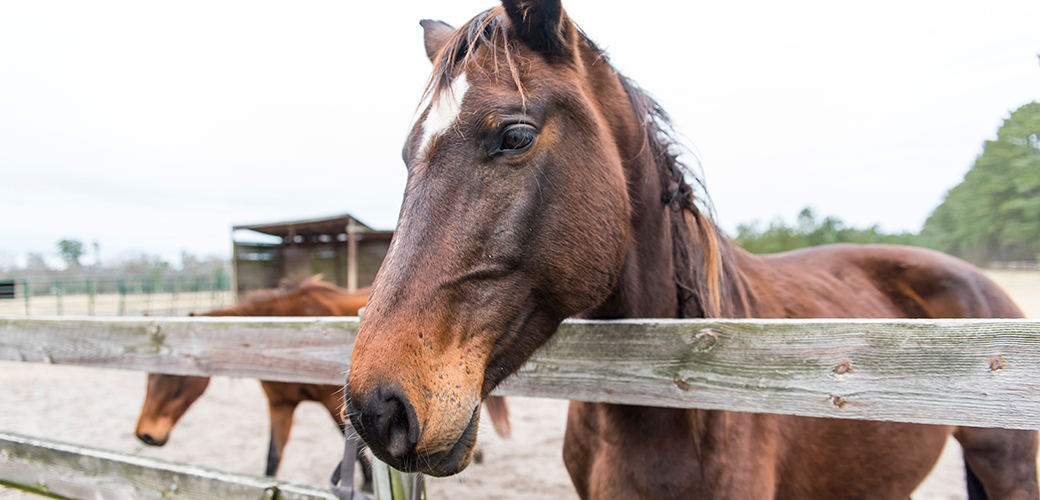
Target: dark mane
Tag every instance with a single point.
(707, 282)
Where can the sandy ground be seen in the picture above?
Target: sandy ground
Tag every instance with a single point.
(227, 428)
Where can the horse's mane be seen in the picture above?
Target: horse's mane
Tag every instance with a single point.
(708, 282)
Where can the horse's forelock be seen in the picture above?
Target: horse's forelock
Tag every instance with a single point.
(489, 28)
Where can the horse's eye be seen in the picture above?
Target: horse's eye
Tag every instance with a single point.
(517, 138)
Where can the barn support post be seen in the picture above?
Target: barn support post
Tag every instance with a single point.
(352, 257)
(337, 263)
(234, 267)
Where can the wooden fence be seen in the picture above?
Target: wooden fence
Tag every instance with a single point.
(959, 372)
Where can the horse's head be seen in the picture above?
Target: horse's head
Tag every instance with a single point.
(165, 402)
(515, 216)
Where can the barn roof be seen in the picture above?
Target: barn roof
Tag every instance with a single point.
(311, 227)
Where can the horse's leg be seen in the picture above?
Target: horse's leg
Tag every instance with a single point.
(1003, 461)
(331, 396)
(975, 489)
(498, 410)
(281, 406)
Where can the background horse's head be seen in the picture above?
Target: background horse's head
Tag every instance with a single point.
(521, 208)
(167, 399)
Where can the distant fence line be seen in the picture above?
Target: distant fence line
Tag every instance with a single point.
(114, 295)
(1023, 265)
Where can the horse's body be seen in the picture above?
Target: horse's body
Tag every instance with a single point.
(169, 396)
(744, 455)
(542, 185)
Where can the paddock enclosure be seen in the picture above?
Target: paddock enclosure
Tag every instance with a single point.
(114, 295)
(978, 372)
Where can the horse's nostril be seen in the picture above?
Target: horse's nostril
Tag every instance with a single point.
(148, 439)
(393, 421)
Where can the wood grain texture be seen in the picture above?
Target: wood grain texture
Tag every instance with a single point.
(962, 372)
(315, 350)
(77, 472)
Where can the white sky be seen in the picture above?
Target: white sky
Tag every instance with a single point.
(156, 126)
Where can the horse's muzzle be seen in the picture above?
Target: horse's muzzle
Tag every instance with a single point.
(387, 422)
(148, 439)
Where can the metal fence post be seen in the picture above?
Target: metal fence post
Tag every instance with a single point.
(27, 292)
(121, 284)
(58, 295)
(173, 299)
(147, 298)
(90, 297)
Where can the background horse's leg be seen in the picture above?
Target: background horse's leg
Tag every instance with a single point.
(332, 397)
(975, 489)
(1003, 461)
(498, 410)
(280, 407)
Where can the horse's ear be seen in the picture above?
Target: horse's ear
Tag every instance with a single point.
(436, 35)
(540, 24)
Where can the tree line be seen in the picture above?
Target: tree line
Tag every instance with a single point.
(810, 231)
(992, 215)
(72, 252)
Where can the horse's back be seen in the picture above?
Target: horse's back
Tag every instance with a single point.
(879, 281)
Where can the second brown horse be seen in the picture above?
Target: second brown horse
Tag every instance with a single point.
(169, 396)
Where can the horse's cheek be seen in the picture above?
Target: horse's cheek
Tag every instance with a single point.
(592, 244)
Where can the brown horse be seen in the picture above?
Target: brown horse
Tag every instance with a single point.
(168, 397)
(542, 184)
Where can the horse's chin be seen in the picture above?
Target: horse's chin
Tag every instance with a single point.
(448, 462)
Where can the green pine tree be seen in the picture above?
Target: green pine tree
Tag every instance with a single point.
(994, 214)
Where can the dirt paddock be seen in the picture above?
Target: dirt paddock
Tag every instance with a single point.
(227, 428)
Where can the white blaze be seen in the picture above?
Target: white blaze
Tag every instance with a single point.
(444, 111)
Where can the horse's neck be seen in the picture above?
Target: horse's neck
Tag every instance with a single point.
(646, 287)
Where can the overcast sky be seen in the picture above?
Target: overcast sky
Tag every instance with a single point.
(154, 127)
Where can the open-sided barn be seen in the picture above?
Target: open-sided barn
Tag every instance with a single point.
(347, 252)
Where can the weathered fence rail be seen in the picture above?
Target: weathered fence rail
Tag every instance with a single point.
(961, 372)
(70, 471)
